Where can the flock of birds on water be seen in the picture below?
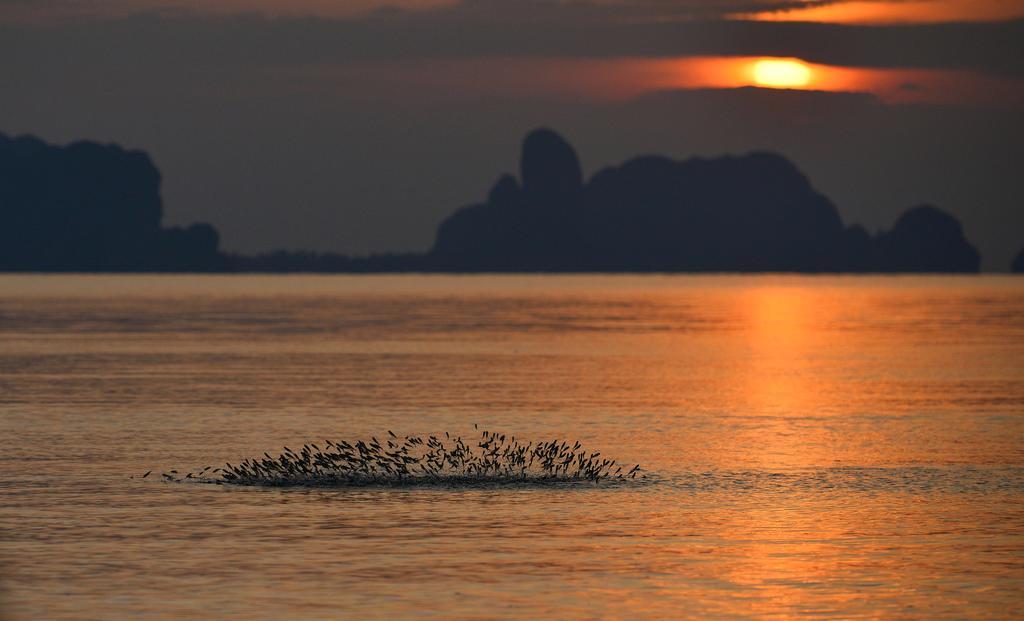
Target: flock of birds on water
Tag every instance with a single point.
(416, 460)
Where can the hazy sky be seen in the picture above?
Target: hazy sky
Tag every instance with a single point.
(357, 125)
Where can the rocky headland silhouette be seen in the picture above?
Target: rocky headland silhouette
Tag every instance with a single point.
(91, 207)
(749, 213)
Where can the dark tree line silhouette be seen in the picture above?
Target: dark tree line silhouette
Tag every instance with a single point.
(91, 207)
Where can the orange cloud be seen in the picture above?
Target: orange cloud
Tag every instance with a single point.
(913, 11)
(625, 78)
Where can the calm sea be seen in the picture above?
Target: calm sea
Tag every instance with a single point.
(821, 446)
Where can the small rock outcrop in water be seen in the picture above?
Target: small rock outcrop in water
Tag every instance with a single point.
(90, 207)
(415, 460)
(755, 212)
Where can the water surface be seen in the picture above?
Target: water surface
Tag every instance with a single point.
(818, 446)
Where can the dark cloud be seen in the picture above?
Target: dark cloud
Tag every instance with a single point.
(653, 9)
(530, 29)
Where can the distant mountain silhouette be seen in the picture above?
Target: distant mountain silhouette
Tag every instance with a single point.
(925, 239)
(755, 212)
(90, 207)
(1018, 263)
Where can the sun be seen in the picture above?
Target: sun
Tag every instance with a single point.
(781, 73)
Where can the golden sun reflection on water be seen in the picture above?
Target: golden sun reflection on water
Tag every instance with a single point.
(842, 447)
(779, 342)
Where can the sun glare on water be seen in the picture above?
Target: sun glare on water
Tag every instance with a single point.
(781, 73)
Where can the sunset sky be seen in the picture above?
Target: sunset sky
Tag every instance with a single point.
(356, 126)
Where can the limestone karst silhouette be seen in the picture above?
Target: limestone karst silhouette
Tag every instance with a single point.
(1018, 263)
(926, 239)
(90, 207)
(528, 227)
(754, 212)
(550, 169)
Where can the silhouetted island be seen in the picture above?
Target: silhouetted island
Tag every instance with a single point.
(1018, 263)
(88, 207)
(749, 213)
